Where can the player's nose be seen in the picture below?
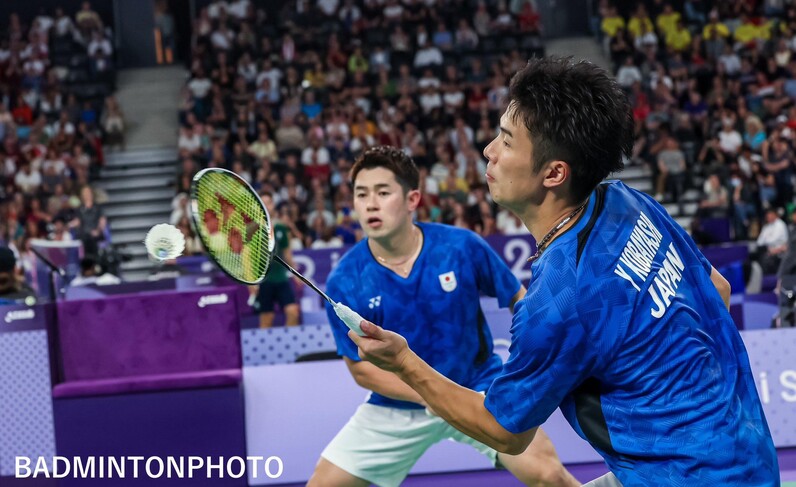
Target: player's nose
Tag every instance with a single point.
(488, 151)
(372, 203)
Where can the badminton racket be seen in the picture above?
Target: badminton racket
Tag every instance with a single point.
(235, 230)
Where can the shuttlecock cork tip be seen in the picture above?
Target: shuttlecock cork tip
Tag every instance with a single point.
(164, 242)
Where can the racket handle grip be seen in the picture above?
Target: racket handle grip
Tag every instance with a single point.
(350, 317)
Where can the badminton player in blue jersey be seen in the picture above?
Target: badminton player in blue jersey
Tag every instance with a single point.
(423, 281)
(625, 324)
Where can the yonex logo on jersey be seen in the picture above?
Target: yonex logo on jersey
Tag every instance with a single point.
(22, 314)
(213, 299)
(374, 302)
(448, 281)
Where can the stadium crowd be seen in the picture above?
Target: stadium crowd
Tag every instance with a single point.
(289, 98)
(712, 86)
(56, 110)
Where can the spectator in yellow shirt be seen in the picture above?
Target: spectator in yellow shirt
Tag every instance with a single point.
(612, 22)
(679, 39)
(764, 29)
(747, 32)
(667, 20)
(640, 22)
(714, 29)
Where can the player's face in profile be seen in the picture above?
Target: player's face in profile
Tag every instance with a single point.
(380, 202)
(509, 174)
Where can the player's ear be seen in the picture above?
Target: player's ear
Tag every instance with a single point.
(556, 173)
(413, 199)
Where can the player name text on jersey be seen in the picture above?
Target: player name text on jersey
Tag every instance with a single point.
(636, 263)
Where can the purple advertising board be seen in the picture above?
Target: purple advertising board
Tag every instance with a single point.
(771, 355)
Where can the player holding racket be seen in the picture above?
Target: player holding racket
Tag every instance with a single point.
(625, 325)
(423, 281)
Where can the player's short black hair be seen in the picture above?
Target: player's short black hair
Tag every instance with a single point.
(391, 158)
(574, 112)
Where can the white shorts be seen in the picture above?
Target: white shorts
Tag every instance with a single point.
(382, 444)
(607, 480)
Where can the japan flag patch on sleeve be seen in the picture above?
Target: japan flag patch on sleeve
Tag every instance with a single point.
(448, 281)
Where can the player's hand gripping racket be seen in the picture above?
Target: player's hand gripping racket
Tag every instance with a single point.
(235, 229)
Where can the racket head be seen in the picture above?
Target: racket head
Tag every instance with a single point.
(233, 224)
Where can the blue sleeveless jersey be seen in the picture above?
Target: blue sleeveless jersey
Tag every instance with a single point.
(436, 308)
(623, 329)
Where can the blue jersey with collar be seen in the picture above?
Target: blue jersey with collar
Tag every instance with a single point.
(623, 329)
(436, 308)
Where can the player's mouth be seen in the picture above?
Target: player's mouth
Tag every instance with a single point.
(489, 177)
(374, 222)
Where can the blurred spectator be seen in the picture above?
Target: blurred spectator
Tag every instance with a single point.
(672, 171)
(509, 224)
(112, 123)
(628, 74)
(13, 288)
(179, 208)
(88, 20)
(192, 244)
(714, 201)
(89, 223)
(60, 232)
(28, 180)
(788, 265)
(164, 23)
(772, 243)
(91, 273)
(744, 209)
(779, 162)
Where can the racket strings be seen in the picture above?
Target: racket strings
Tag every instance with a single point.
(233, 225)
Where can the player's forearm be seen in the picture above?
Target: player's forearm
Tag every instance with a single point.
(389, 385)
(461, 407)
(380, 381)
(398, 391)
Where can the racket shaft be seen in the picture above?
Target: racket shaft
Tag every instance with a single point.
(303, 279)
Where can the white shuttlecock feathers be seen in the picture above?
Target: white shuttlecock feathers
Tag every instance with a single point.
(164, 242)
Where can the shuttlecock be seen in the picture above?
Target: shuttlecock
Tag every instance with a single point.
(164, 242)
